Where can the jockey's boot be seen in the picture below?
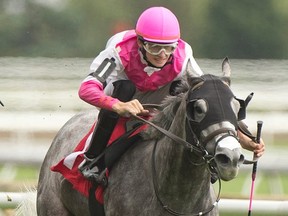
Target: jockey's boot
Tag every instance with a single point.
(124, 91)
(100, 137)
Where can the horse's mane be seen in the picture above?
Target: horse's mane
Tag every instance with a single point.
(169, 108)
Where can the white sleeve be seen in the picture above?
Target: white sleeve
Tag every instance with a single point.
(110, 52)
(118, 72)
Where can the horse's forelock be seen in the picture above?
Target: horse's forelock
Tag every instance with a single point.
(169, 109)
(183, 86)
(164, 118)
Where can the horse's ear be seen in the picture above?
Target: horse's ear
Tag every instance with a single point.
(191, 75)
(190, 70)
(226, 69)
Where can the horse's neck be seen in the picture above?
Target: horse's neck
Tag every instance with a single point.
(177, 171)
(179, 179)
(172, 156)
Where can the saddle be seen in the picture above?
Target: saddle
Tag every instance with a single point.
(111, 154)
(119, 142)
(125, 134)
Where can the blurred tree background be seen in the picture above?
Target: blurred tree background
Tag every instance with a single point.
(72, 28)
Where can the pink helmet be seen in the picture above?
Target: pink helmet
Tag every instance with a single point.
(159, 25)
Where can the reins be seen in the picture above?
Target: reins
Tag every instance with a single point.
(188, 145)
(166, 207)
(197, 149)
(172, 136)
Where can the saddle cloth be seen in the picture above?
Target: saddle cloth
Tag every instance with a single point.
(68, 166)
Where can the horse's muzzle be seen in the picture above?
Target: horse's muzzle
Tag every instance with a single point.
(228, 158)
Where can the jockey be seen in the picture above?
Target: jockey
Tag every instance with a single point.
(144, 62)
(137, 66)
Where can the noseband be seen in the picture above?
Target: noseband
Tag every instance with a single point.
(196, 148)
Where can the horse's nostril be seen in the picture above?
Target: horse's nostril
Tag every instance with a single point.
(225, 160)
(222, 158)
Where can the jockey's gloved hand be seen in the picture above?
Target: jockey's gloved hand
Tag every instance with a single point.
(133, 107)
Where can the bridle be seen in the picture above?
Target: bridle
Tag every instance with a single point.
(166, 207)
(198, 150)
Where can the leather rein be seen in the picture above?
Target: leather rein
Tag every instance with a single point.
(199, 150)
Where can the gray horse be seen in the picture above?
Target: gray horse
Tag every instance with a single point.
(169, 171)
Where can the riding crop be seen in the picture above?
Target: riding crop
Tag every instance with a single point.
(254, 169)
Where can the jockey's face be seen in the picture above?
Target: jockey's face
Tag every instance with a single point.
(157, 54)
(158, 60)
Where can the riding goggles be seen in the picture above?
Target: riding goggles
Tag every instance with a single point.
(156, 49)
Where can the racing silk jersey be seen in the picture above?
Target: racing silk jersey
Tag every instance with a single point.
(131, 65)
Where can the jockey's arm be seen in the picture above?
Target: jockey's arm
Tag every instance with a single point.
(91, 91)
(247, 143)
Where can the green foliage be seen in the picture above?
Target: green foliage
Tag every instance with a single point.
(243, 29)
(238, 29)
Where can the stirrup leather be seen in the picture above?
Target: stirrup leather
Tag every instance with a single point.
(90, 171)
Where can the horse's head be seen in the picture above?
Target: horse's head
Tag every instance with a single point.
(212, 115)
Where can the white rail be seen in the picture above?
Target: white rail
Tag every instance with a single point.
(263, 207)
(34, 155)
(10, 200)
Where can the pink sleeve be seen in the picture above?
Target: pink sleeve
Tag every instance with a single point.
(91, 92)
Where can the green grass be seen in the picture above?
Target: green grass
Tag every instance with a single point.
(27, 173)
(265, 189)
(264, 186)
(232, 188)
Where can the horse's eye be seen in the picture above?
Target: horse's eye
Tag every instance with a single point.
(196, 110)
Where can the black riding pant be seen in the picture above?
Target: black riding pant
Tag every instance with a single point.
(124, 91)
